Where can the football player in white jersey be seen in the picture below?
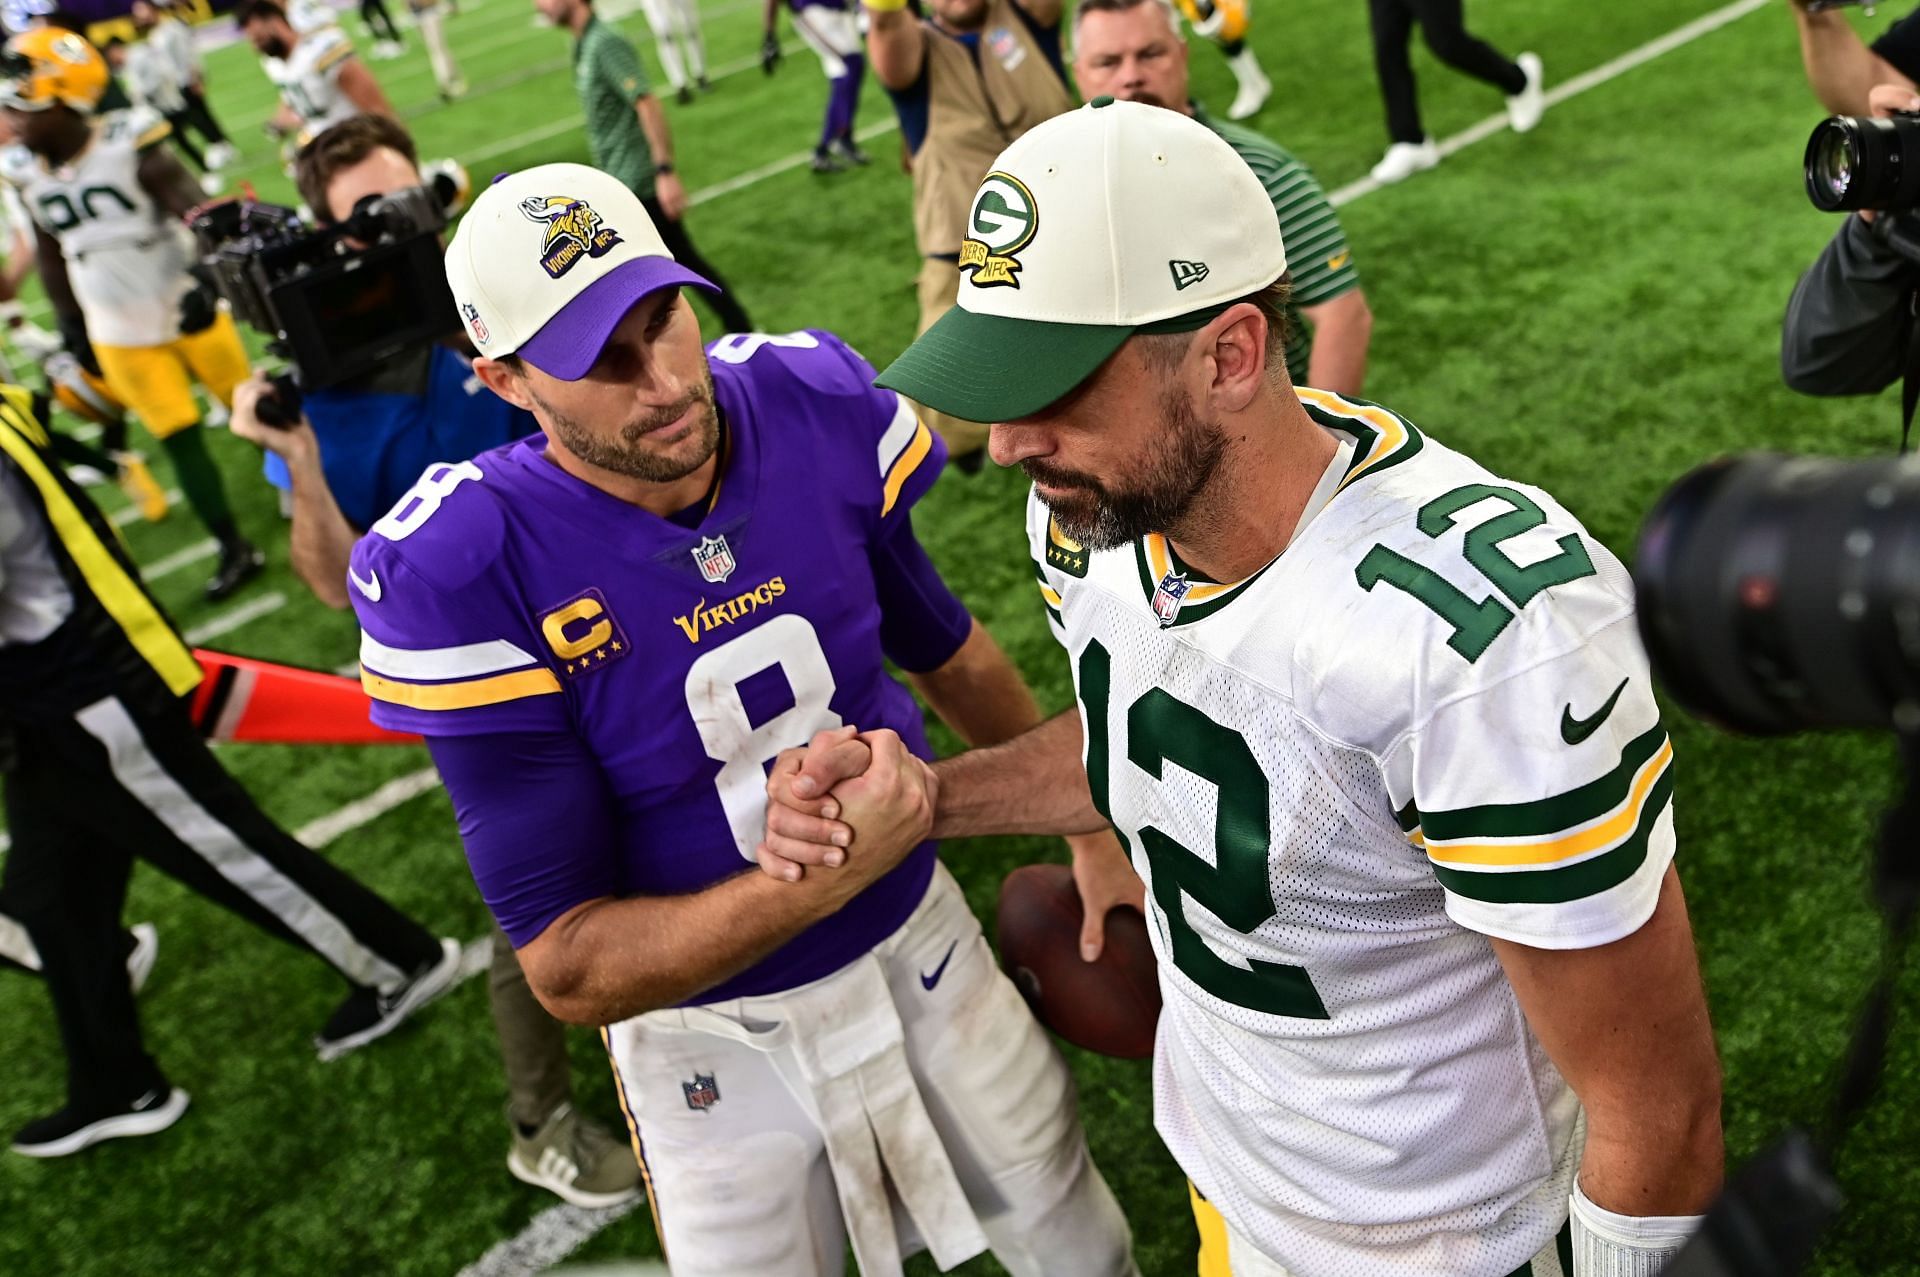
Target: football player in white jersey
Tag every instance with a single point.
(106, 201)
(172, 44)
(320, 80)
(1375, 723)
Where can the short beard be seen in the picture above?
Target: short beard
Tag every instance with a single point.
(1158, 494)
(627, 455)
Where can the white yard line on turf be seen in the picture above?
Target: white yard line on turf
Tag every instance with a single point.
(553, 1234)
(318, 833)
(227, 622)
(172, 563)
(557, 1232)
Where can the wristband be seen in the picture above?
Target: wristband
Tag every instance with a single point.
(1606, 1244)
(666, 168)
(885, 6)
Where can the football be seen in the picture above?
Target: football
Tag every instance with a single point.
(1110, 1006)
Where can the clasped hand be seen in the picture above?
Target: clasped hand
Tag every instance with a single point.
(851, 801)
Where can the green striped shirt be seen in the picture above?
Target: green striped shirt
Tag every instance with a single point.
(609, 78)
(1318, 258)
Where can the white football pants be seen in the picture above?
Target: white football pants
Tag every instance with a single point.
(832, 34)
(908, 1101)
(676, 23)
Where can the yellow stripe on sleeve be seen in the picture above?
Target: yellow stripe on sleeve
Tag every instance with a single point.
(155, 132)
(910, 459)
(1622, 822)
(333, 57)
(1051, 595)
(118, 593)
(480, 691)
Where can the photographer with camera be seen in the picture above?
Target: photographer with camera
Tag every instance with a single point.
(354, 449)
(1841, 67)
(1849, 324)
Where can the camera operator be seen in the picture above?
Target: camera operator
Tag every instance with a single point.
(1841, 67)
(360, 445)
(355, 450)
(1849, 324)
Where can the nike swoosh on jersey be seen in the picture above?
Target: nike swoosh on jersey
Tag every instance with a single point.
(370, 587)
(1574, 730)
(928, 981)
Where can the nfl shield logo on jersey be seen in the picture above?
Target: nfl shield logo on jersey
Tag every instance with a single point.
(1168, 595)
(715, 558)
(702, 1093)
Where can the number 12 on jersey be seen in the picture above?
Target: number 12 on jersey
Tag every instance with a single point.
(1237, 887)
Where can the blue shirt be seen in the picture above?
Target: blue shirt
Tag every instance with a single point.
(374, 444)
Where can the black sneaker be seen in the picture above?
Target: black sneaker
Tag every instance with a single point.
(240, 562)
(849, 151)
(368, 1013)
(706, 86)
(685, 95)
(826, 162)
(71, 1129)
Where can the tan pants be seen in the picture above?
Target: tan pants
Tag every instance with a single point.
(938, 284)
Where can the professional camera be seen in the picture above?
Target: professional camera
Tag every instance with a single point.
(338, 300)
(1859, 161)
(1781, 594)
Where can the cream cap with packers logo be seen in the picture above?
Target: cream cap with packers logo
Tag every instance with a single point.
(1113, 219)
(549, 260)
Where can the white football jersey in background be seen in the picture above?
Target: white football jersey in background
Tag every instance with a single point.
(1428, 722)
(126, 256)
(309, 79)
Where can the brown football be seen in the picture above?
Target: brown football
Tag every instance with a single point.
(1109, 1006)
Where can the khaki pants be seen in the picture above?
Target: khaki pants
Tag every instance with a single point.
(533, 1045)
(938, 284)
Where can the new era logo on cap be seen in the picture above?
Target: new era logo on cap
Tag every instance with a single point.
(1186, 274)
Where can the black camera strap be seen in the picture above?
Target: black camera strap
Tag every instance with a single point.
(1910, 379)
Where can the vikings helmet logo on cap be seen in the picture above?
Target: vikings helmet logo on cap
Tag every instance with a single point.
(1001, 222)
(574, 231)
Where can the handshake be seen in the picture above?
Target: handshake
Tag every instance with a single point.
(851, 802)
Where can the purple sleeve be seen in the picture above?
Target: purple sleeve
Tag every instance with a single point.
(537, 823)
(922, 624)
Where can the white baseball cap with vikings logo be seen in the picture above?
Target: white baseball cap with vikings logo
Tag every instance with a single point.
(1110, 220)
(549, 260)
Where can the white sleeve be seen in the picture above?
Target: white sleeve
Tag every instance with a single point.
(1543, 799)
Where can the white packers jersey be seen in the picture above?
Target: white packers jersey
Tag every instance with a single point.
(126, 256)
(152, 79)
(1428, 722)
(309, 79)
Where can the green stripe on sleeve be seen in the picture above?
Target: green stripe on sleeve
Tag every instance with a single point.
(1547, 816)
(1570, 882)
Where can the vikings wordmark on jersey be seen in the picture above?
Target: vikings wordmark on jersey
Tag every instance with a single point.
(1337, 778)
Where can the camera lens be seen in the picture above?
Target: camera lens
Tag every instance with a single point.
(1856, 162)
(1783, 593)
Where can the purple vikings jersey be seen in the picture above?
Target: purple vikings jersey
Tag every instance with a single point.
(505, 599)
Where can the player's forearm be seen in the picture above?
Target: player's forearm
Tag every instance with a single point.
(978, 693)
(614, 959)
(321, 540)
(896, 46)
(1342, 330)
(1661, 1155)
(1840, 67)
(1032, 784)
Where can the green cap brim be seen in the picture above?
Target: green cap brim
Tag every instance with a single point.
(987, 368)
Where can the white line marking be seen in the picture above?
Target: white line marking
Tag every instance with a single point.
(548, 1238)
(227, 622)
(172, 563)
(128, 515)
(318, 833)
(561, 1226)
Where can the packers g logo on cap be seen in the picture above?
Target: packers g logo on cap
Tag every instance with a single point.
(1001, 222)
(574, 231)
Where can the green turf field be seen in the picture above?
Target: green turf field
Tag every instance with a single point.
(1593, 307)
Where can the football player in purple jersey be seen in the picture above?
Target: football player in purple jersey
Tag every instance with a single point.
(607, 634)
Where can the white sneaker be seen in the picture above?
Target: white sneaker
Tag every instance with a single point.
(212, 183)
(1404, 159)
(1525, 108)
(387, 50)
(220, 155)
(1255, 87)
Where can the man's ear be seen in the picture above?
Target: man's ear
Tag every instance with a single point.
(502, 380)
(1237, 341)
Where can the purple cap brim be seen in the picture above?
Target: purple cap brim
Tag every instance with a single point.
(566, 346)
